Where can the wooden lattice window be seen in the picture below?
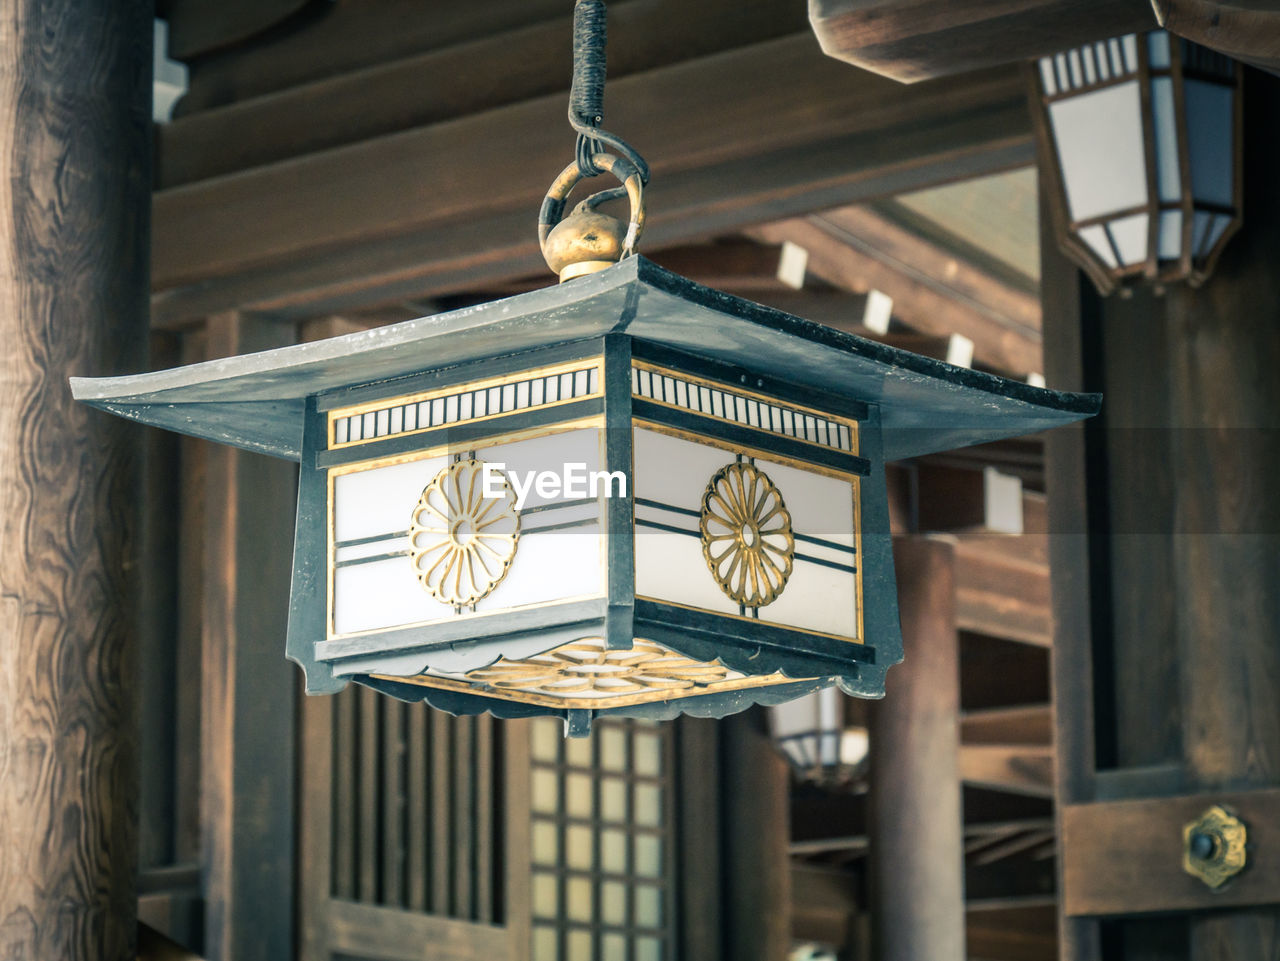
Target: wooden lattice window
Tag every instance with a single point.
(409, 833)
(602, 842)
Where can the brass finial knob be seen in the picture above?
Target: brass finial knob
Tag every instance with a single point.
(587, 240)
(1214, 846)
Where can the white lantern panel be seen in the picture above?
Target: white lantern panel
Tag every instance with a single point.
(666, 469)
(671, 476)
(1130, 235)
(1210, 122)
(559, 554)
(1217, 225)
(1100, 182)
(1169, 246)
(553, 566)
(1096, 238)
(1158, 49)
(381, 594)
(1200, 225)
(1047, 77)
(670, 567)
(1165, 122)
(369, 503)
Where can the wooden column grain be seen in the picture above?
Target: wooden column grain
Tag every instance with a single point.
(916, 826)
(249, 698)
(1224, 354)
(1072, 561)
(756, 865)
(74, 250)
(1181, 557)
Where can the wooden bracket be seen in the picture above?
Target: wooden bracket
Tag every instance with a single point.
(1125, 857)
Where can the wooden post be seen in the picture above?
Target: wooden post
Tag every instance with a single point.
(75, 153)
(249, 704)
(1224, 354)
(915, 831)
(757, 865)
(1166, 552)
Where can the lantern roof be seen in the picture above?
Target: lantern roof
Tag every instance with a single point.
(257, 401)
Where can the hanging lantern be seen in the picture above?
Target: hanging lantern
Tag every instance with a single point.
(628, 494)
(1140, 136)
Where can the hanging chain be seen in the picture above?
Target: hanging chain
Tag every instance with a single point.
(586, 95)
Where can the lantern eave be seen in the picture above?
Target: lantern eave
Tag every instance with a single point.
(256, 401)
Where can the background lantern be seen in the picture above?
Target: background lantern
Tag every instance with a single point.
(1140, 136)
(815, 736)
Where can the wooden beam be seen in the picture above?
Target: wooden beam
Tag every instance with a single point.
(824, 904)
(1245, 31)
(921, 279)
(1030, 724)
(1001, 594)
(1125, 857)
(443, 82)
(248, 726)
(916, 853)
(449, 206)
(912, 40)
(1012, 932)
(197, 28)
(75, 103)
(346, 36)
(1021, 768)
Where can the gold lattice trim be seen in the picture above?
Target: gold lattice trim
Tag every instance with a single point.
(746, 534)
(461, 543)
(585, 674)
(588, 667)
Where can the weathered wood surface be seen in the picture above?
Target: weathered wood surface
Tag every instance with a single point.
(911, 40)
(75, 155)
(1125, 857)
(1224, 350)
(197, 28)
(439, 82)
(247, 780)
(701, 882)
(756, 873)
(1247, 30)
(917, 854)
(448, 206)
(1179, 561)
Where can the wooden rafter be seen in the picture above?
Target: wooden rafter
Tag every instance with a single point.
(933, 291)
(450, 206)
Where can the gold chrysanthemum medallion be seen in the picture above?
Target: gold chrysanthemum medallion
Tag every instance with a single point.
(746, 534)
(462, 542)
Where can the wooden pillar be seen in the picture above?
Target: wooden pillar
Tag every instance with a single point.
(74, 251)
(249, 699)
(757, 864)
(916, 824)
(1166, 540)
(1224, 388)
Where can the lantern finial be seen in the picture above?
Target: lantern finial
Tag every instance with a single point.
(588, 240)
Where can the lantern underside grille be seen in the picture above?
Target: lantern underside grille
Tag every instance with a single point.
(587, 674)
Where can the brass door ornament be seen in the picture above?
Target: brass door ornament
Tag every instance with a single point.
(1214, 846)
(746, 535)
(462, 542)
